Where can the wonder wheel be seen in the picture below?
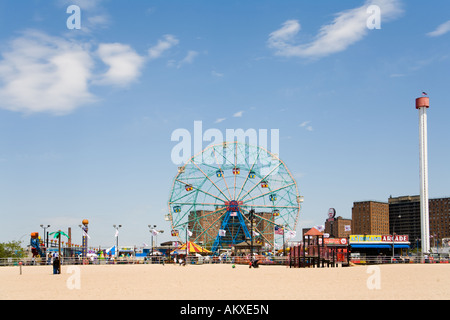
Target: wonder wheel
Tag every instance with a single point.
(213, 195)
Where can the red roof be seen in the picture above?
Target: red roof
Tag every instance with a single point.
(314, 232)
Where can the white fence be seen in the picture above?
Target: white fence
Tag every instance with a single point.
(147, 260)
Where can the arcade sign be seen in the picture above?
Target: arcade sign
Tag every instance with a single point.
(378, 238)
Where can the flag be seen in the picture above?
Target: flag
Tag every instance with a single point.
(154, 232)
(291, 234)
(189, 233)
(112, 250)
(222, 233)
(117, 233)
(279, 230)
(85, 234)
(256, 234)
(321, 228)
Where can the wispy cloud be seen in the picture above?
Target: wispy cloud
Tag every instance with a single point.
(306, 125)
(440, 30)
(83, 4)
(188, 59)
(238, 114)
(217, 74)
(347, 28)
(124, 63)
(94, 15)
(168, 41)
(220, 120)
(42, 73)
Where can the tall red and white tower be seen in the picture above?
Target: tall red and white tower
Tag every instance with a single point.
(422, 104)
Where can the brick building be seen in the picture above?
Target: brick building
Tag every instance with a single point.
(404, 215)
(401, 215)
(370, 217)
(339, 228)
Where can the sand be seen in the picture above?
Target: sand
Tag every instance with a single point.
(222, 282)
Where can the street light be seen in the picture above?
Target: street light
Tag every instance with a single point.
(152, 231)
(117, 238)
(283, 226)
(159, 231)
(251, 216)
(393, 237)
(45, 228)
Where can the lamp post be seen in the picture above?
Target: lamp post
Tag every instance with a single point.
(393, 236)
(251, 216)
(284, 242)
(152, 231)
(159, 231)
(45, 228)
(117, 238)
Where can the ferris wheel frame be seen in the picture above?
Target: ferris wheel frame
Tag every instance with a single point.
(207, 202)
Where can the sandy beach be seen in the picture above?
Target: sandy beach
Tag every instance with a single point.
(222, 282)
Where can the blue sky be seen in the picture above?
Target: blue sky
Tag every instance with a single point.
(86, 116)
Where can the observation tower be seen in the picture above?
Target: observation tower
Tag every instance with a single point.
(422, 104)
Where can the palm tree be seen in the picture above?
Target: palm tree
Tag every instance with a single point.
(58, 235)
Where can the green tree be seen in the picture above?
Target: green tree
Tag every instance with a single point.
(12, 249)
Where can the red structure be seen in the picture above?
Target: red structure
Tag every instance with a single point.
(316, 251)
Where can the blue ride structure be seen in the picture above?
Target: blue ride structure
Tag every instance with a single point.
(35, 243)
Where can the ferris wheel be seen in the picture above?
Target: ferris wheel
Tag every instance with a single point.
(213, 195)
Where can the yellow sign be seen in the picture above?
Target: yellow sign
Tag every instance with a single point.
(365, 238)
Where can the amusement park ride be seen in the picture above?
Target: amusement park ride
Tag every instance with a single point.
(215, 191)
(39, 249)
(35, 243)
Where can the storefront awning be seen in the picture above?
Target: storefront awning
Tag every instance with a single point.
(379, 246)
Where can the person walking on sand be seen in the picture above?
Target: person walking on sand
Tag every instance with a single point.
(56, 265)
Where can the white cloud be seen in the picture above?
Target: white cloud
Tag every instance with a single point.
(440, 30)
(189, 59)
(220, 120)
(162, 46)
(124, 63)
(217, 74)
(93, 15)
(45, 74)
(347, 28)
(238, 114)
(306, 125)
(98, 21)
(42, 73)
(83, 4)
